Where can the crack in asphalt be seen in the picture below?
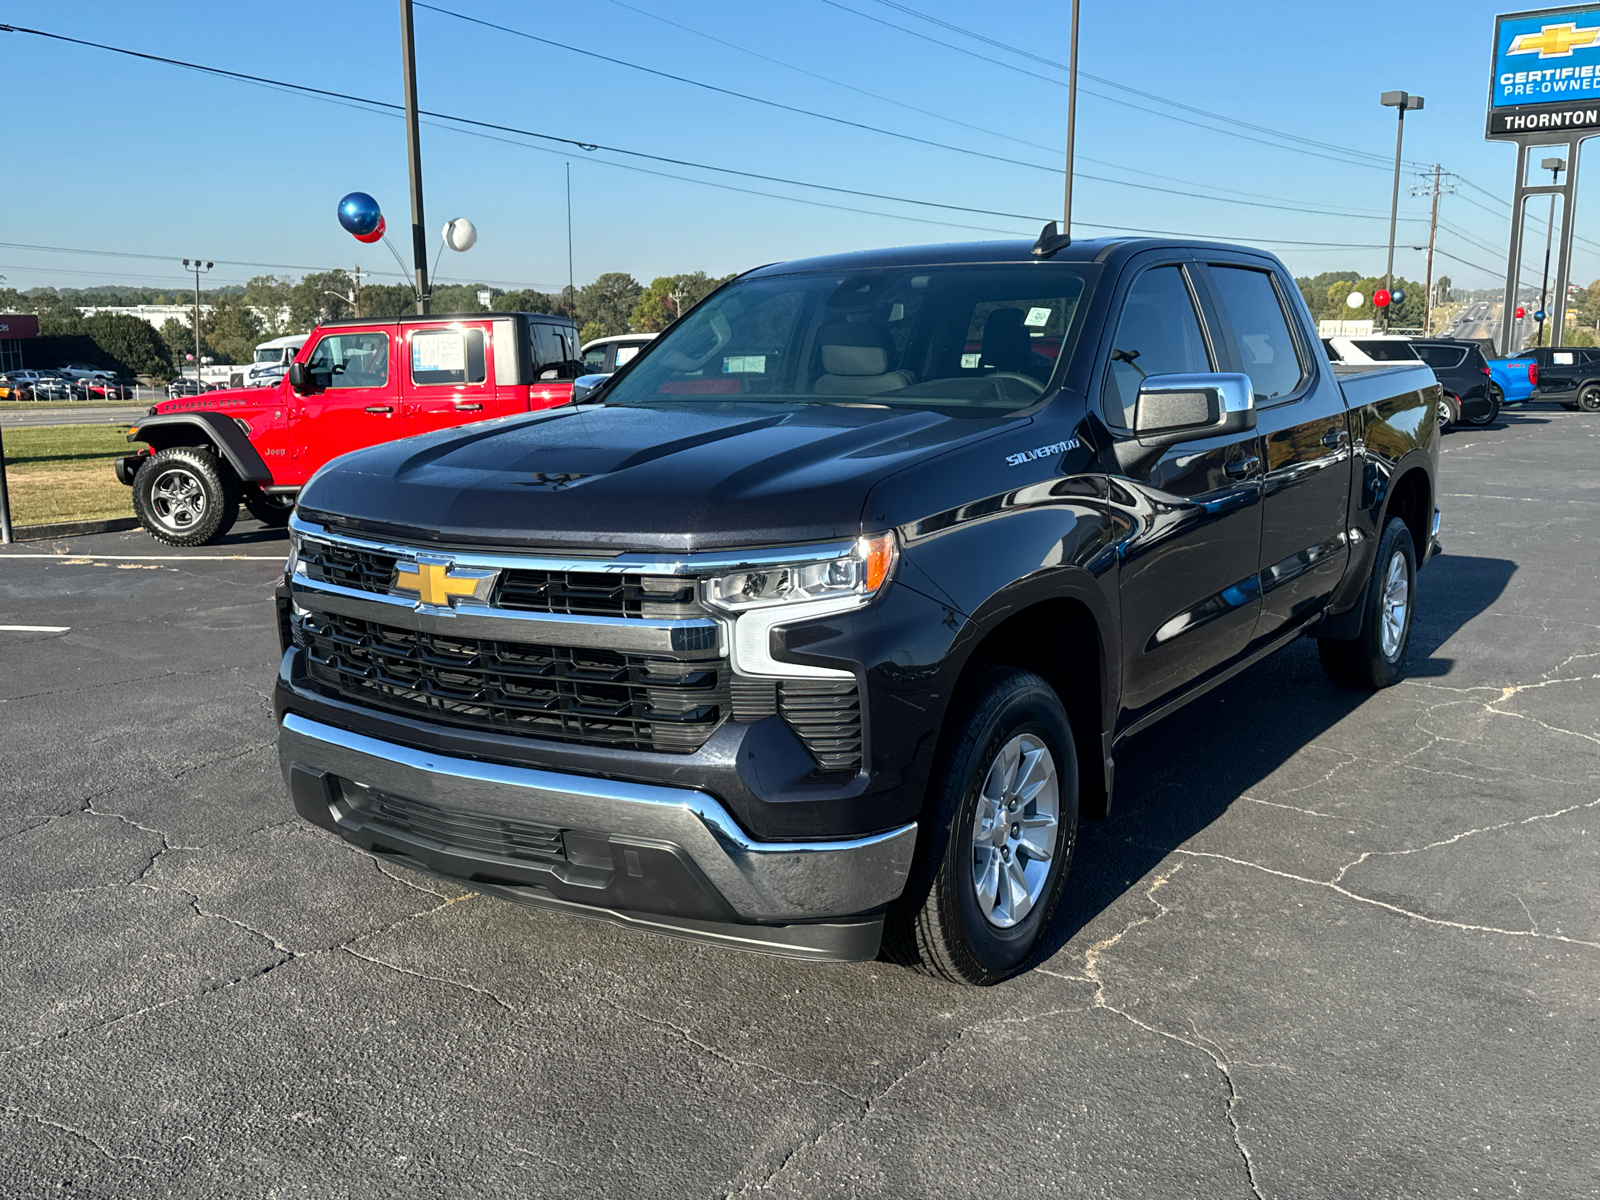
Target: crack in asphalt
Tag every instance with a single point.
(12, 1111)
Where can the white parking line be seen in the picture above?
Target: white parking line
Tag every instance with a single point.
(35, 628)
(158, 557)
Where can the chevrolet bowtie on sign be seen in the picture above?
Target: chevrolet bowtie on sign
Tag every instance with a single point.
(439, 583)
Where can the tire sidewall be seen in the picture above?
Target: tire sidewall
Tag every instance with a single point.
(1589, 399)
(1034, 709)
(220, 506)
(1396, 538)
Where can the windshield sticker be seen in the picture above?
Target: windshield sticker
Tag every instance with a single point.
(1037, 317)
(745, 364)
(1028, 456)
(968, 361)
(626, 354)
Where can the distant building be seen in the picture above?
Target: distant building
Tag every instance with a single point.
(15, 328)
(158, 314)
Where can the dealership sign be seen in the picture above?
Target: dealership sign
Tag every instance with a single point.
(1546, 71)
(18, 325)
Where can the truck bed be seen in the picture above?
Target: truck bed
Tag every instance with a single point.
(1366, 385)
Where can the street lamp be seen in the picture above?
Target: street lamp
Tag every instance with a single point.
(1555, 166)
(1402, 101)
(197, 268)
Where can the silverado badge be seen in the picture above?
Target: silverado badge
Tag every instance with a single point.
(437, 582)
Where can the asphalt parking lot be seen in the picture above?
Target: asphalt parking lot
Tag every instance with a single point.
(1329, 944)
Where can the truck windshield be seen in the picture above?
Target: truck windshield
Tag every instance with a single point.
(981, 338)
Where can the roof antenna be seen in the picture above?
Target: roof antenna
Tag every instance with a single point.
(1050, 240)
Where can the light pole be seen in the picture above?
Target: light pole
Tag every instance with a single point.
(419, 241)
(196, 268)
(1555, 166)
(1400, 101)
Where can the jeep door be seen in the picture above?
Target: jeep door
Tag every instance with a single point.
(353, 404)
(1305, 440)
(1188, 575)
(448, 378)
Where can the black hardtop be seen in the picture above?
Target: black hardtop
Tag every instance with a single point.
(1112, 250)
(417, 318)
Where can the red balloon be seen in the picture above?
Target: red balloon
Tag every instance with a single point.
(1381, 298)
(374, 235)
(1521, 312)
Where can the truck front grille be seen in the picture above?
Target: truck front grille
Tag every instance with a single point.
(500, 837)
(593, 697)
(578, 593)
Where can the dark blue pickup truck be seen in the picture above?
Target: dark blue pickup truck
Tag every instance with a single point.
(816, 628)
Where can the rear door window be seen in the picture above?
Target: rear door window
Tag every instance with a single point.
(1441, 357)
(447, 356)
(1386, 351)
(1267, 349)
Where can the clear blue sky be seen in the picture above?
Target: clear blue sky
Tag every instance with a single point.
(108, 153)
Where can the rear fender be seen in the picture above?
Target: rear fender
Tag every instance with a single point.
(214, 430)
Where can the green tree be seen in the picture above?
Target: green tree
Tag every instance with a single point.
(179, 340)
(1332, 306)
(231, 329)
(321, 296)
(608, 303)
(458, 298)
(387, 300)
(132, 344)
(669, 297)
(271, 295)
(1442, 289)
(529, 300)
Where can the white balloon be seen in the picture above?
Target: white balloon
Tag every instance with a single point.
(1354, 300)
(460, 234)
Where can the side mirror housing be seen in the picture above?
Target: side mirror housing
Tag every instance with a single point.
(300, 379)
(585, 386)
(1184, 408)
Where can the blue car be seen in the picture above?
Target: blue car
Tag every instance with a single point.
(1514, 377)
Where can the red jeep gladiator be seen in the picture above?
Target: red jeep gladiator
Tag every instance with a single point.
(353, 384)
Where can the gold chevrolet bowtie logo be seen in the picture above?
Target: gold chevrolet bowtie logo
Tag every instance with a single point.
(441, 584)
(1554, 41)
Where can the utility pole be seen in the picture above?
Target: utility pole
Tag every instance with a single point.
(1400, 101)
(419, 241)
(356, 275)
(1435, 189)
(197, 268)
(1072, 118)
(1555, 166)
(572, 290)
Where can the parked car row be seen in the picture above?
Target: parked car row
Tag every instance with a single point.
(60, 384)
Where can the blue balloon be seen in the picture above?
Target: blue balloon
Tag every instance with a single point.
(359, 213)
(1397, 296)
(1539, 316)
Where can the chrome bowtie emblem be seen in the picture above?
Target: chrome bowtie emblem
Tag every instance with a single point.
(438, 583)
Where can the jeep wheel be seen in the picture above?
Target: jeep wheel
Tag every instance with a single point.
(1589, 398)
(184, 497)
(997, 834)
(1376, 657)
(272, 511)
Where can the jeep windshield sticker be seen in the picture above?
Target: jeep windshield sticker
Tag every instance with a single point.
(1037, 316)
(968, 361)
(745, 364)
(1027, 456)
(441, 351)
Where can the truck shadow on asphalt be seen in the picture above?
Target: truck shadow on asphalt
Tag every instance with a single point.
(1178, 777)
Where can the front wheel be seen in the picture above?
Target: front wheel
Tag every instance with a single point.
(1376, 657)
(997, 835)
(1589, 398)
(184, 497)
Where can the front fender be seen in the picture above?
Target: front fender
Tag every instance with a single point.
(205, 428)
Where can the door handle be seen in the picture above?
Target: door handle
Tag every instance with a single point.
(1335, 437)
(1240, 467)
(460, 407)
(385, 409)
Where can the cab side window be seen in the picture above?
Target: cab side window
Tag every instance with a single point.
(447, 356)
(1262, 331)
(1158, 333)
(351, 360)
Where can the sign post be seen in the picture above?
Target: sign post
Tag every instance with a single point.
(1544, 91)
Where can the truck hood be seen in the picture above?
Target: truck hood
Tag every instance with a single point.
(692, 477)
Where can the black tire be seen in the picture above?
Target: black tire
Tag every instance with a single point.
(938, 926)
(272, 511)
(1367, 661)
(1498, 396)
(1589, 398)
(1489, 417)
(184, 497)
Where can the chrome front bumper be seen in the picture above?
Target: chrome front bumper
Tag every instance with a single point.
(623, 828)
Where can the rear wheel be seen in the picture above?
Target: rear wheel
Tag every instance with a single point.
(1446, 414)
(1487, 418)
(1498, 396)
(184, 497)
(1589, 398)
(1376, 657)
(997, 835)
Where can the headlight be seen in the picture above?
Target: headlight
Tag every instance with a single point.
(860, 573)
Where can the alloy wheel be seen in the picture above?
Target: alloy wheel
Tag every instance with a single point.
(178, 499)
(1395, 606)
(1015, 830)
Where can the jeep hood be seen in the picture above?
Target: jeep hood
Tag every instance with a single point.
(683, 478)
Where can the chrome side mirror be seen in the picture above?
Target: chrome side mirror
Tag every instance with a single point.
(1179, 408)
(585, 386)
